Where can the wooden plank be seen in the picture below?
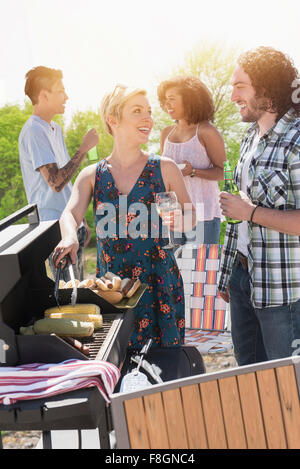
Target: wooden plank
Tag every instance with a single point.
(253, 421)
(156, 422)
(289, 398)
(136, 423)
(193, 415)
(232, 413)
(271, 409)
(213, 417)
(175, 419)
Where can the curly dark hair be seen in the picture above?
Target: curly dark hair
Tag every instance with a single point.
(273, 76)
(197, 99)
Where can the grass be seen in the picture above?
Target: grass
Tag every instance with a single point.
(90, 261)
(222, 232)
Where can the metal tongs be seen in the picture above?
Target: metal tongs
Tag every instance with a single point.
(65, 263)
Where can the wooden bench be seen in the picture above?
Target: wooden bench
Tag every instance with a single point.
(254, 407)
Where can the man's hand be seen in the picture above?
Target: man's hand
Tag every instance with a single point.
(90, 140)
(234, 206)
(58, 178)
(225, 296)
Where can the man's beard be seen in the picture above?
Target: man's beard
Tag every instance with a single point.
(257, 107)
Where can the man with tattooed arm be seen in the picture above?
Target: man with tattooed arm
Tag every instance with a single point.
(46, 166)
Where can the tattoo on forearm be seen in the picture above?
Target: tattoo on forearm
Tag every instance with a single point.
(60, 177)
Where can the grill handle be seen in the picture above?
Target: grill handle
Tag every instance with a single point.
(30, 210)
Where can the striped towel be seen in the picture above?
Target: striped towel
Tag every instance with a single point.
(39, 380)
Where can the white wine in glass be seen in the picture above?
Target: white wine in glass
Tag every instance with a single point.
(166, 202)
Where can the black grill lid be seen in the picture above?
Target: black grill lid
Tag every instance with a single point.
(25, 247)
(23, 251)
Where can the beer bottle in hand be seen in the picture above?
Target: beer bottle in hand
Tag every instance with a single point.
(229, 186)
(93, 152)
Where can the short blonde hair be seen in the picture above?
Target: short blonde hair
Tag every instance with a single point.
(113, 103)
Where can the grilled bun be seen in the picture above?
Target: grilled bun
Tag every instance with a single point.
(126, 284)
(130, 286)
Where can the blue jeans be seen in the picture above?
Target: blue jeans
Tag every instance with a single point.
(208, 232)
(260, 334)
(78, 267)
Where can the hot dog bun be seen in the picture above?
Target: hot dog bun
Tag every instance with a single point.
(88, 283)
(115, 279)
(100, 285)
(112, 297)
(126, 284)
(129, 286)
(70, 284)
(104, 284)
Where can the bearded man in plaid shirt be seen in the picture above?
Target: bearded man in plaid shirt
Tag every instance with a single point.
(260, 266)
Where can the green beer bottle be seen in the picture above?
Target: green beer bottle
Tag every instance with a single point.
(229, 186)
(93, 152)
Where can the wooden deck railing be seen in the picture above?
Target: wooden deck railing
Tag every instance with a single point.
(252, 407)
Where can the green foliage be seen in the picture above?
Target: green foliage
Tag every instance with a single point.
(222, 232)
(161, 120)
(73, 137)
(12, 193)
(79, 127)
(89, 216)
(214, 65)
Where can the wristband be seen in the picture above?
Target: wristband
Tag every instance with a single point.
(193, 173)
(251, 218)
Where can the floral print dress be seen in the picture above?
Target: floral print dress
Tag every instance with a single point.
(129, 244)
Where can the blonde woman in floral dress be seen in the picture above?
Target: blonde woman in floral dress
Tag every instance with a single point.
(121, 185)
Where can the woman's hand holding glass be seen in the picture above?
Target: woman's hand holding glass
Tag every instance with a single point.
(169, 210)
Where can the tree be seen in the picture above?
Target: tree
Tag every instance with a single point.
(161, 120)
(214, 65)
(12, 193)
(79, 127)
(73, 137)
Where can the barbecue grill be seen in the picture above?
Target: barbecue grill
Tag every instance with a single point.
(25, 293)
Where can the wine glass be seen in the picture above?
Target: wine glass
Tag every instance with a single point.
(166, 202)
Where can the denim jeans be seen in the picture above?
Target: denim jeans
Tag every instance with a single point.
(260, 334)
(78, 267)
(208, 232)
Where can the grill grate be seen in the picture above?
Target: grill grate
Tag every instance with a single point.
(96, 341)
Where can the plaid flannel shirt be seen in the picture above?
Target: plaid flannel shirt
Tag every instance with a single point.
(274, 182)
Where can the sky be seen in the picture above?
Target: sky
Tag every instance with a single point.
(100, 43)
